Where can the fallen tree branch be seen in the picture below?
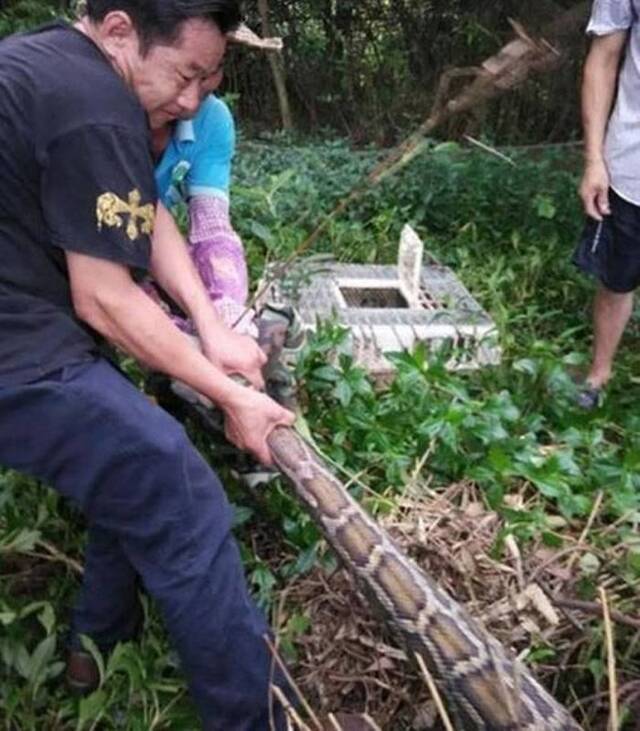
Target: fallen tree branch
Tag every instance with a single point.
(612, 674)
(596, 610)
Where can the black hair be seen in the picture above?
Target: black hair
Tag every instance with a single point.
(160, 21)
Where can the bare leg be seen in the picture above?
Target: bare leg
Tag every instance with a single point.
(611, 314)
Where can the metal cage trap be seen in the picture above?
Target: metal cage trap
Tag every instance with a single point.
(389, 309)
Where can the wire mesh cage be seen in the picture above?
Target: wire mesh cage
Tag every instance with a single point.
(390, 309)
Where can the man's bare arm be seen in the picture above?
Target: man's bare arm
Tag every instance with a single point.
(598, 92)
(106, 297)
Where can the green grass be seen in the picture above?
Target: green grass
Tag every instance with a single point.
(508, 232)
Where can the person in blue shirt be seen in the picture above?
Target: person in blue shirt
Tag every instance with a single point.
(194, 168)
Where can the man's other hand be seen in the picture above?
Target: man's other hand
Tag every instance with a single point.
(249, 419)
(235, 355)
(594, 190)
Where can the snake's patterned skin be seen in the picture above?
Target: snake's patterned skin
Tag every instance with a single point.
(484, 687)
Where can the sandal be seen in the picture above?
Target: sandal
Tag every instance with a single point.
(589, 397)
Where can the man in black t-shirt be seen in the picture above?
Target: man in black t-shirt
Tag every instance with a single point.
(79, 222)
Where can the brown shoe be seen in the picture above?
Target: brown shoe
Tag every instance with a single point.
(82, 674)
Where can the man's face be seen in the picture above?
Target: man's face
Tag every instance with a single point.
(213, 81)
(170, 80)
(173, 112)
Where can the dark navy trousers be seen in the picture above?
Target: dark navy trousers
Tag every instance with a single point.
(155, 511)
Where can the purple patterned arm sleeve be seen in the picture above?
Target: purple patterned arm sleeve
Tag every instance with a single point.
(218, 254)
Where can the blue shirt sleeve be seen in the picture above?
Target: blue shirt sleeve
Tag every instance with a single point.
(210, 172)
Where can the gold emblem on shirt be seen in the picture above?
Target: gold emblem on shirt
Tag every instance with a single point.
(111, 210)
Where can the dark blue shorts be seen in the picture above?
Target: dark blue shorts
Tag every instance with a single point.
(610, 249)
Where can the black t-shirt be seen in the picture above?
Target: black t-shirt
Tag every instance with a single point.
(76, 174)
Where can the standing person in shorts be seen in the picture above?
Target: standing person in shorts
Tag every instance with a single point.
(610, 189)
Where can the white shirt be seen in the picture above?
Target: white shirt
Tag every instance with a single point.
(622, 144)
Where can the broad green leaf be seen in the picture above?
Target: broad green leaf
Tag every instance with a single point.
(261, 232)
(91, 708)
(343, 393)
(40, 659)
(90, 646)
(545, 207)
(7, 618)
(47, 618)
